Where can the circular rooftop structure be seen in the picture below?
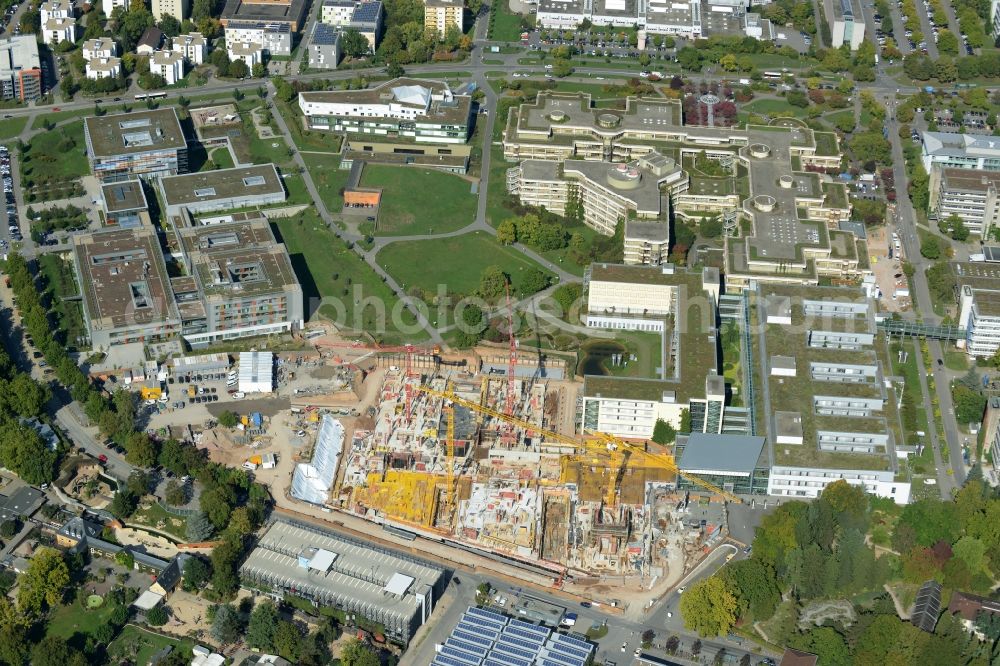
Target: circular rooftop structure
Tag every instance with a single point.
(557, 116)
(786, 181)
(624, 177)
(760, 151)
(765, 203)
(708, 99)
(608, 120)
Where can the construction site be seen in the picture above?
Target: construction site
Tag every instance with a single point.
(468, 455)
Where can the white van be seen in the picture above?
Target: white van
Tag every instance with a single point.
(239, 395)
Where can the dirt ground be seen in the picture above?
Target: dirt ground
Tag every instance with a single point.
(152, 544)
(188, 613)
(886, 269)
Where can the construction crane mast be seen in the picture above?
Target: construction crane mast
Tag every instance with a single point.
(621, 451)
(512, 360)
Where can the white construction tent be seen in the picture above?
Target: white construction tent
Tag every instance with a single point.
(312, 481)
(256, 373)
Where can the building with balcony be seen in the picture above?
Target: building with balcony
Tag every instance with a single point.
(979, 315)
(646, 242)
(168, 64)
(145, 144)
(58, 30)
(324, 47)
(291, 13)
(960, 151)
(20, 68)
(103, 68)
(176, 8)
(99, 48)
(442, 15)
(275, 39)
(969, 194)
(192, 46)
(251, 53)
(847, 22)
(241, 282)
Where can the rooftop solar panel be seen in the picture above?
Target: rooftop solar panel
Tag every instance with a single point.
(563, 638)
(509, 660)
(449, 661)
(472, 638)
(481, 622)
(515, 650)
(465, 646)
(570, 650)
(565, 659)
(488, 634)
(463, 657)
(482, 612)
(525, 635)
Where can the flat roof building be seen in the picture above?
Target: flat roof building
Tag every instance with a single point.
(20, 68)
(241, 282)
(735, 463)
(274, 38)
(288, 12)
(126, 295)
(646, 242)
(324, 47)
(847, 22)
(969, 194)
(222, 189)
(144, 143)
(123, 202)
(961, 151)
(442, 15)
(419, 110)
(329, 569)
(833, 416)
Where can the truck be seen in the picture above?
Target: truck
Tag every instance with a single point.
(192, 391)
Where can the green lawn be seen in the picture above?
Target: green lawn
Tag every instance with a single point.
(296, 186)
(495, 211)
(504, 25)
(12, 127)
(59, 116)
(307, 139)
(339, 286)
(457, 263)
(157, 518)
(60, 154)
(328, 177)
(771, 106)
(222, 157)
(420, 201)
(75, 617)
(139, 645)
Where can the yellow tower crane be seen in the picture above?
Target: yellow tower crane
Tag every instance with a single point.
(619, 449)
(450, 452)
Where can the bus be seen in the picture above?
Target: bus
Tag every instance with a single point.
(771, 76)
(155, 95)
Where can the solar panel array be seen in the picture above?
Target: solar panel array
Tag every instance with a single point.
(486, 638)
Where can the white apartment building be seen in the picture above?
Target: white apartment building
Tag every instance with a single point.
(193, 47)
(168, 64)
(104, 68)
(969, 194)
(55, 9)
(960, 151)
(274, 38)
(99, 48)
(847, 22)
(109, 5)
(808, 483)
(979, 315)
(250, 53)
(647, 242)
(337, 12)
(58, 30)
(176, 8)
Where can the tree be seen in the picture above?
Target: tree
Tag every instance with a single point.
(947, 42)
(969, 404)
(354, 43)
(663, 432)
(238, 70)
(125, 558)
(216, 507)
(260, 628)
(689, 58)
(170, 26)
(710, 227)
(176, 494)
(930, 247)
(507, 232)
(157, 616)
(227, 625)
(709, 608)
(356, 653)
(197, 572)
(533, 281)
(228, 419)
(828, 642)
(8, 528)
(395, 70)
(946, 70)
(26, 396)
(55, 651)
(754, 586)
(492, 283)
(44, 583)
(224, 560)
(873, 146)
(288, 641)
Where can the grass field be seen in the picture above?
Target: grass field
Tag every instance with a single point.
(495, 211)
(58, 155)
(456, 262)
(420, 201)
(770, 106)
(339, 286)
(140, 645)
(328, 177)
(222, 158)
(12, 127)
(65, 621)
(504, 25)
(157, 518)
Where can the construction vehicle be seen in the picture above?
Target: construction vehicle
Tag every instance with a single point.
(192, 391)
(620, 452)
(150, 392)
